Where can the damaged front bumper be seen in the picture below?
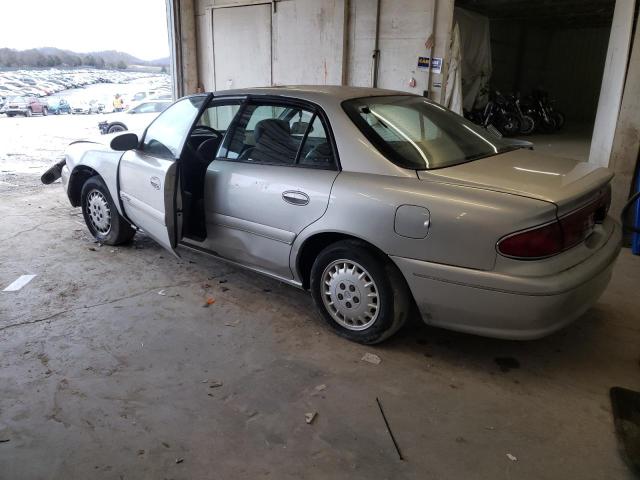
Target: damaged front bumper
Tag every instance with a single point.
(54, 173)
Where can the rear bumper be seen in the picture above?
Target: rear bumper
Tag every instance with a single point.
(508, 306)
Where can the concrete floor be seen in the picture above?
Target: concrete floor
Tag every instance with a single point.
(573, 141)
(102, 377)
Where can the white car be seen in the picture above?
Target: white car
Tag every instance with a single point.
(136, 118)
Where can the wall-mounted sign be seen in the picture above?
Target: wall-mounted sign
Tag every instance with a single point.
(435, 63)
(423, 63)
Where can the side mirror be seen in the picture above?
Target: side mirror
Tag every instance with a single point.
(124, 142)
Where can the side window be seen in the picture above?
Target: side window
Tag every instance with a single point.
(144, 108)
(166, 135)
(278, 135)
(161, 106)
(317, 150)
(218, 116)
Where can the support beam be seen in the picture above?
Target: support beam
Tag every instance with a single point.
(182, 38)
(626, 143)
(612, 83)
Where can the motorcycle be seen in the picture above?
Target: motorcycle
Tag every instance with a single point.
(495, 114)
(527, 122)
(538, 106)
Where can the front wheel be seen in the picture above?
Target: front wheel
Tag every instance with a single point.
(527, 125)
(509, 125)
(558, 118)
(101, 215)
(28, 113)
(362, 297)
(45, 112)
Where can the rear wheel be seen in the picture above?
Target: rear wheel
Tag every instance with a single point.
(116, 128)
(45, 111)
(101, 215)
(28, 113)
(361, 297)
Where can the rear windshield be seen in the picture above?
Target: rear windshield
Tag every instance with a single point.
(415, 133)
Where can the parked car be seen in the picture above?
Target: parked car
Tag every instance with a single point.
(144, 113)
(25, 105)
(145, 95)
(58, 106)
(376, 201)
(80, 107)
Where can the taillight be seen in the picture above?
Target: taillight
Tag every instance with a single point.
(558, 236)
(536, 243)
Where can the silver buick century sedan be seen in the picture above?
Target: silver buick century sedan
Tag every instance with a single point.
(380, 203)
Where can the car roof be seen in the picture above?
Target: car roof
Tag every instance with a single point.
(313, 92)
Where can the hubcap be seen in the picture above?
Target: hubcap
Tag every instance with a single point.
(99, 212)
(350, 295)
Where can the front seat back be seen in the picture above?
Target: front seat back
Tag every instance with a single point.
(274, 143)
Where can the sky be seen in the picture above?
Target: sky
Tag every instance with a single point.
(138, 27)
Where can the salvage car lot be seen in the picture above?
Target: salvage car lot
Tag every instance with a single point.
(109, 356)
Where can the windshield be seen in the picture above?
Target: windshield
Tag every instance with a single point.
(415, 133)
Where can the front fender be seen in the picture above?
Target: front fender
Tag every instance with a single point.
(94, 158)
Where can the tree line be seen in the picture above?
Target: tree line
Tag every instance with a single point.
(34, 58)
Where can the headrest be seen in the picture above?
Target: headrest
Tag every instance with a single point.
(272, 126)
(299, 128)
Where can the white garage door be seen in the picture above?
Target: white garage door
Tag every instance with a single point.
(242, 46)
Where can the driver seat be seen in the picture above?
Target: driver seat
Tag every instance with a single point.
(207, 150)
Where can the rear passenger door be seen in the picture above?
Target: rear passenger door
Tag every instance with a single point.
(272, 178)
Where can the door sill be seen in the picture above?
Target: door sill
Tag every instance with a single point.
(288, 281)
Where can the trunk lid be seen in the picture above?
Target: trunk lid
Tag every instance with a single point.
(565, 182)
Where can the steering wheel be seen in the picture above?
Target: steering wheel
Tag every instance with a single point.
(206, 128)
(320, 152)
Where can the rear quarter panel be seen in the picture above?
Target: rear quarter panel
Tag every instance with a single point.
(465, 222)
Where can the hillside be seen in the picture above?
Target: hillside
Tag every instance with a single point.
(54, 57)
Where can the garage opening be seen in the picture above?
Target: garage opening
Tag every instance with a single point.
(534, 70)
(58, 85)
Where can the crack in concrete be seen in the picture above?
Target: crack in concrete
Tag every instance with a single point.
(108, 302)
(27, 230)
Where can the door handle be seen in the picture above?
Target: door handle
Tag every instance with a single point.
(295, 197)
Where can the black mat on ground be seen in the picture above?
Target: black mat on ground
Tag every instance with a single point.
(626, 415)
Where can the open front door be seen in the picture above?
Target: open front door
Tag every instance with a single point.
(148, 193)
(148, 175)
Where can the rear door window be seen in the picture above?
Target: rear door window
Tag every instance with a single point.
(275, 134)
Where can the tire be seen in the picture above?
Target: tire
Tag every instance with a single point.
(28, 113)
(356, 274)
(101, 215)
(116, 128)
(547, 126)
(559, 118)
(45, 112)
(510, 125)
(527, 125)
(11, 115)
